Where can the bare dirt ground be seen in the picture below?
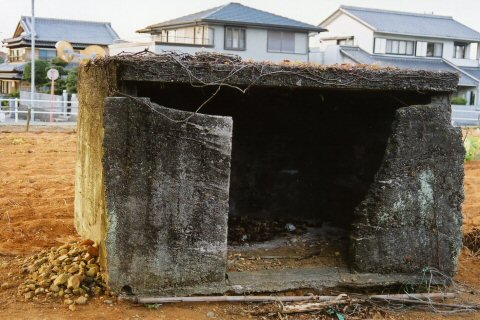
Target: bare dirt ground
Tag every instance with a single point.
(36, 212)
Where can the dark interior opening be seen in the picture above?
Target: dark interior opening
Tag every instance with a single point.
(298, 154)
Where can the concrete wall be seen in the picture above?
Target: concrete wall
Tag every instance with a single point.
(154, 192)
(411, 217)
(90, 207)
(167, 186)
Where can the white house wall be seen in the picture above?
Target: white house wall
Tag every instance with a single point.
(448, 48)
(256, 46)
(130, 47)
(447, 44)
(345, 26)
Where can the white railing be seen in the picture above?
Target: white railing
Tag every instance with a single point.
(17, 109)
(465, 116)
(67, 112)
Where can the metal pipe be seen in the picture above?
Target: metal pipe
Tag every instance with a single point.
(32, 69)
(153, 300)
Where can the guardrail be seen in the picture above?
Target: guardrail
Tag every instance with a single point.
(14, 111)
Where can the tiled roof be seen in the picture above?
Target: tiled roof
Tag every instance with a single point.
(236, 13)
(406, 23)
(414, 63)
(12, 67)
(74, 31)
(473, 71)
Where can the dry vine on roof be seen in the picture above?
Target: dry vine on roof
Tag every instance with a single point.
(225, 70)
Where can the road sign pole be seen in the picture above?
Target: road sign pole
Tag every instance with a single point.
(53, 75)
(52, 89)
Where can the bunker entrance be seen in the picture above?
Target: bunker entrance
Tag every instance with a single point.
(302, 160)
(306, 160)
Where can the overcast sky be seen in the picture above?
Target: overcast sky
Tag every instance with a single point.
(127, 16)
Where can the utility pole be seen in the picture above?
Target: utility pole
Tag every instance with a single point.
(32, 68)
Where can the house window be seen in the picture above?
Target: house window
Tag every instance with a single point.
(234, 38)
(171, 36)
(400, 47)
(45, 54)
(281, 41)
(15, 55)
(345, 42)
(459, 50)
(434, 49)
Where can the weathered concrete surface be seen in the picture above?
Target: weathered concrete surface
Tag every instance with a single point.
(148, 192)
(317, 278)
(167, 189)
(90, 217)
(167, 68)
(411, 217)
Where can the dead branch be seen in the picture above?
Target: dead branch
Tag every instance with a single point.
(416, 296)
(316, 306)
(466, 307)
(410, 299)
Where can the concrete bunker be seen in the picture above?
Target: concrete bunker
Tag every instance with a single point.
(363, 162)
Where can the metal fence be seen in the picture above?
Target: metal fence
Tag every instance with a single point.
(14, 111)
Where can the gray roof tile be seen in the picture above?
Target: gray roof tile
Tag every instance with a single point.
(74, 31)
(426, 25)
(12, 67)
(414, 63)
(473, 71)
(236, 13)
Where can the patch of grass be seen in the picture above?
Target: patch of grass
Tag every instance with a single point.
(472, 147)
(17, 141)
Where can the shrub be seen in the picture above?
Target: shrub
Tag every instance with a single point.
(15, 94)
(72, 80)
(458, 100)
(472, 147)
(41, 68)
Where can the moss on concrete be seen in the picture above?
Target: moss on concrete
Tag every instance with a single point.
(90, 216)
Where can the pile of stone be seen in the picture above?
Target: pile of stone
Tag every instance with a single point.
(70, 272)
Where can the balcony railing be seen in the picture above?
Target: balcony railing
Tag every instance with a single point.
(184, 41)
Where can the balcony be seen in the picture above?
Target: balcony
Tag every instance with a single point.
(183, 41)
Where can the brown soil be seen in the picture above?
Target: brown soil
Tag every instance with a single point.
(36, 190)
(471, 206)
(36, 212)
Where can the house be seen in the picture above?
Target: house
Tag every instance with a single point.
(232, 28)
(405, 40)
(80, 34)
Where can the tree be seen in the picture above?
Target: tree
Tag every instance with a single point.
(59, 62)
(41, 67)
(72, 80)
